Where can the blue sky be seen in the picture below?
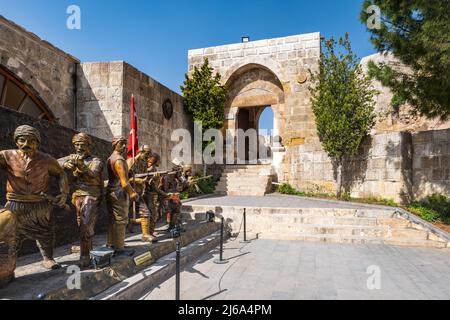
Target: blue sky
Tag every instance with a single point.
(155, 36)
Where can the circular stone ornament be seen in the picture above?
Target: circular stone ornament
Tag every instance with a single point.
(302, 77)
(167, 109)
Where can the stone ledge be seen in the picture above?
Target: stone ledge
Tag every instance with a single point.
(32, 280)
(136, 286)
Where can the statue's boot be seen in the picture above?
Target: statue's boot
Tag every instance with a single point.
(7, 263)
(119, 241)
(85, 258)
(146, 236)
(8, 227)
(110, 236)
(131, 224)
(170, 223)
(46, 249)
(48, 262)
(151, 229)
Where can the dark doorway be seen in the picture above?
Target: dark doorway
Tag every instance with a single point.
(244, 124)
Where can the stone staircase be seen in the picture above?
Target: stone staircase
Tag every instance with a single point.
(245, 180)
(357, 226)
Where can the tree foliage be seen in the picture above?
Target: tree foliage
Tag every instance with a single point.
(342, 102)
(204, 97)
(417, 32)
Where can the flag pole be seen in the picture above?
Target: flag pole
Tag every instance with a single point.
(133, 152)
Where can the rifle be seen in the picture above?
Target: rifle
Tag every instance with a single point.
(201, 178)
(151, 174)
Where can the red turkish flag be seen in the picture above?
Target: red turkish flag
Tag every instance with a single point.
(133, 146)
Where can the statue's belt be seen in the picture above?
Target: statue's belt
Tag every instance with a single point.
(29, 198)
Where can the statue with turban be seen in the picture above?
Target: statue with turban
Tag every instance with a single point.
(28, 212)
(87, 171)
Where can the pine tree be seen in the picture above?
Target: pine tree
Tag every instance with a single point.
(342, 102)
(204, 97)
(417, 32)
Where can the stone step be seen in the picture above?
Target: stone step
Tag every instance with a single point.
(344, 225)
(32, 279)
(395, 241)
(135, 287)
(343, 230)
(256, 181)
(246, 173)
(245, 177)
(243, 189)
(247, 166)
(291, 213)
(236, 183)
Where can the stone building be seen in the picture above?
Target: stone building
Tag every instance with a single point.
(42, 81)
(405, 157)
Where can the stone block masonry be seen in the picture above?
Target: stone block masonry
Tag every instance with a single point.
(393, 163)
(47, 70)
(431, 164)
(104, 97)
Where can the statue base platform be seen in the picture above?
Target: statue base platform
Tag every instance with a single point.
(34, 282)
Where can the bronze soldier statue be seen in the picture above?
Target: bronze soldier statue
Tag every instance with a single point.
(139, 166)
(119, 193)
(153, 194)
(172, 203)
(87, 171)
(28, 208)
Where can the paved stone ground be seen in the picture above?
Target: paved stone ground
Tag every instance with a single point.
(285, 270)
(273, 201)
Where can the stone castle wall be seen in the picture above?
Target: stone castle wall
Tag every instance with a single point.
(431, 163)
(382, 168)
(153, 128)
(46, 69)
(104, 98)
(389, 119)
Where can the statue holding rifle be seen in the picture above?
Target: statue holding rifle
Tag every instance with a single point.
(138, 168)
(87, 171)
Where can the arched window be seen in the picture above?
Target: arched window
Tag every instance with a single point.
(17, 96)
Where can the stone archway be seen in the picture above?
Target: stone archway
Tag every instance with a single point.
(283, 65)
(252, 88)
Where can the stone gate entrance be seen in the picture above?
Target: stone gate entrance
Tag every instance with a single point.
(268, 73)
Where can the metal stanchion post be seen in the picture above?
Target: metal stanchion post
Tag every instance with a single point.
(245, 227)
(221, 261)
(177, 280)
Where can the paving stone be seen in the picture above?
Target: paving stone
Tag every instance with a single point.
(324, 271)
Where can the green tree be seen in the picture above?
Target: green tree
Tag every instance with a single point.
(417, 33)
(204, 97)
(342, 102)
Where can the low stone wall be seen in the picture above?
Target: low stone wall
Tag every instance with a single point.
(382, 168)
(431, 163)
(56, 141)
(400, 166)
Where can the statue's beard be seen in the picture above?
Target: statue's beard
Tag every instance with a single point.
(27, 150)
